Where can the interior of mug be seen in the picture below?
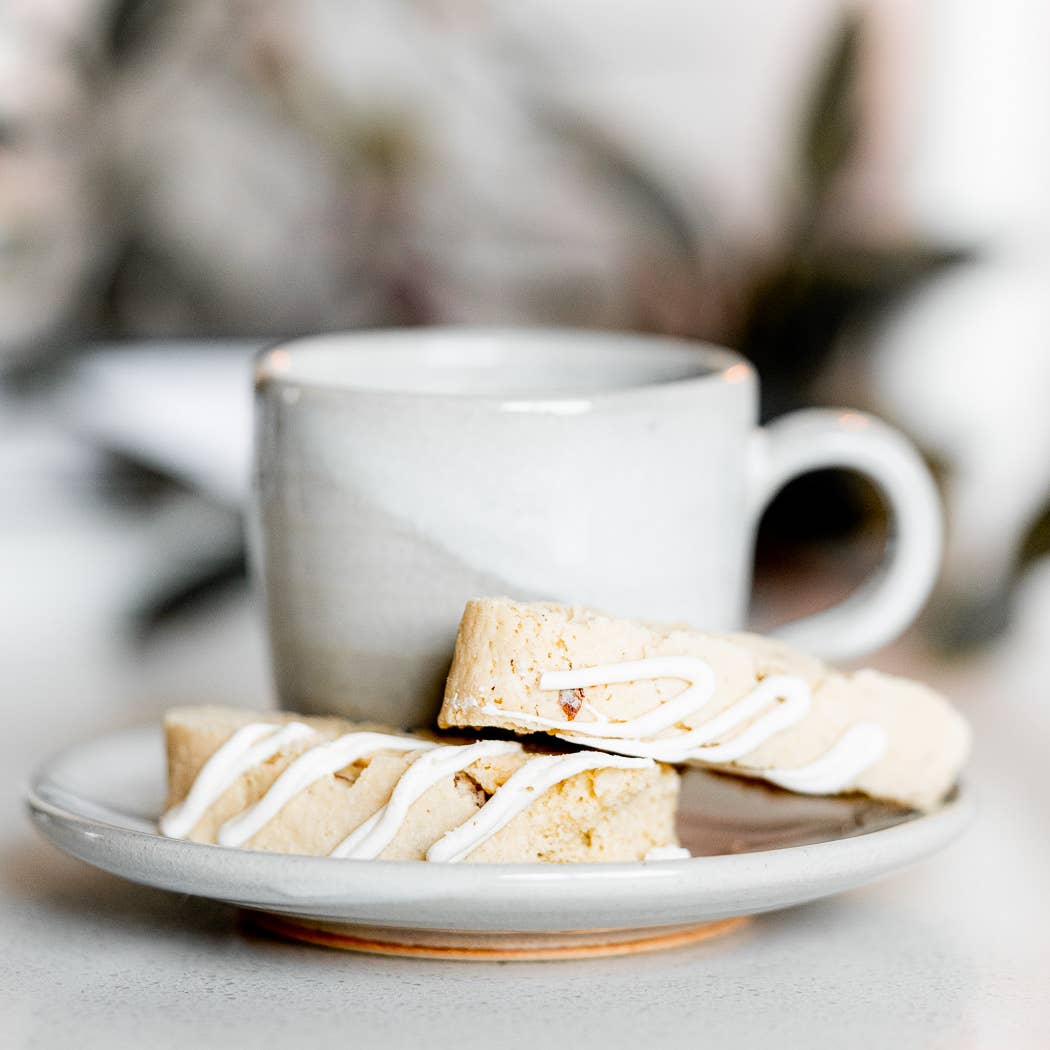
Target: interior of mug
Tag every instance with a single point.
(493, 362)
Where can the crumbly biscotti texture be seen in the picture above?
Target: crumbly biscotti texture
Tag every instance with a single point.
(605, 815)
(503, 647)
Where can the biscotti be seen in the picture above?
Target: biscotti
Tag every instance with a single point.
(291, 784)
(735, 702)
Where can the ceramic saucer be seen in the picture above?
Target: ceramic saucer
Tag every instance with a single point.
(755, 849)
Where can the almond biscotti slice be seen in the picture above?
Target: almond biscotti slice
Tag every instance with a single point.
(322, 786)
(734, 702)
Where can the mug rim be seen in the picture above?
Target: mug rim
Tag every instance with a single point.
(722, 365)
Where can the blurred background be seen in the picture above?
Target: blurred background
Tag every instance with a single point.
(852, 194)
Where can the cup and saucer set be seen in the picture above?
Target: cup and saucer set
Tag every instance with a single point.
(505, 575)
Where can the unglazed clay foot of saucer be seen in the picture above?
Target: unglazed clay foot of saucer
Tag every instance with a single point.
(755, 849)
(474, 946)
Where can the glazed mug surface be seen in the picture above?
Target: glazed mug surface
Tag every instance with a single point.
(400, 472)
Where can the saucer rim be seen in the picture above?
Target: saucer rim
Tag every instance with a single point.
(524, 897)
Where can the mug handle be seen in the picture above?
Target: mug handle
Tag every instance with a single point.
(883, 606)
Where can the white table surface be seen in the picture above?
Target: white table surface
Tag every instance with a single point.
(955, 953)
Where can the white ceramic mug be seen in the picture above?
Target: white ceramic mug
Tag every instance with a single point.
(401, 472)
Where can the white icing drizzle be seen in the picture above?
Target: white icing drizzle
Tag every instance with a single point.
(307, 769)
(522, 788)
(697, 673)
(368, 840)
(255, 743)
(668, 853)
(593, 711)
(775, 704)
(860, 747)
(248, 747)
